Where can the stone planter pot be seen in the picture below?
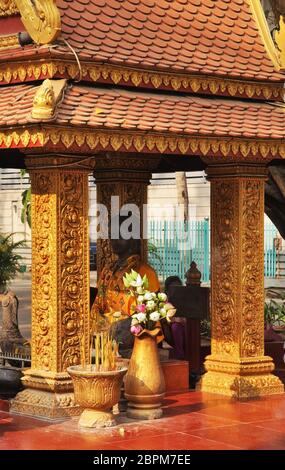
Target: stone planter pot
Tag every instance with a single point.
(97, 392)
(144, 383)
(10, 381)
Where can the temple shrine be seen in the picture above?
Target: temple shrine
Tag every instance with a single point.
(121, 89)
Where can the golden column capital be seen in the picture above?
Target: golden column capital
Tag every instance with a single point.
(44, 161)
(237, 366)
(237, 170)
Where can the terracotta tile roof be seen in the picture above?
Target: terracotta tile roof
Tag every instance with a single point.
(217, 37)
(16, 104)
(109, 109)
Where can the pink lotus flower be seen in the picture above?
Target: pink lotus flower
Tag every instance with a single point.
(136, 329)
(141, 308)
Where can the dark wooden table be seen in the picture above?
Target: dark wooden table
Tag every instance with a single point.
(192, 303)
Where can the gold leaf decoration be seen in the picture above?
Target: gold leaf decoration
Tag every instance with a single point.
(41, 19)
(8, 8)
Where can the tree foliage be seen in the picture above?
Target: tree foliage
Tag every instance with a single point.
(26, 207)
(9, 260)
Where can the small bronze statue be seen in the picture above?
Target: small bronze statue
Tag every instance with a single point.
(12, 343)
(193, 275)
(11, 339)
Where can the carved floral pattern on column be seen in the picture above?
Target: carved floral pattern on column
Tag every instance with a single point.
(73, 233)
(252, 268)
(129, 193)
(60, 307)
(44, 304)
(224, 276)
(136, 193)
(104, 193)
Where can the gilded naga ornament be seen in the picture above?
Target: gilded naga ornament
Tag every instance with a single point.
(46, 98)
(44, 101)
(41, 19)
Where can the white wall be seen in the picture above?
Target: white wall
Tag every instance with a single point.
(162, 197)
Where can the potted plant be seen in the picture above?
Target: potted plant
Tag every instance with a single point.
(144, 383)
(274, 319)
(97, 386)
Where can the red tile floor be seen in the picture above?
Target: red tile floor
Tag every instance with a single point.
(191, 421)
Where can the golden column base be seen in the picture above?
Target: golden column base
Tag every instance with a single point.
(48, 396)
(248, 378)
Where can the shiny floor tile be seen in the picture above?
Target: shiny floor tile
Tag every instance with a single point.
(191, 421)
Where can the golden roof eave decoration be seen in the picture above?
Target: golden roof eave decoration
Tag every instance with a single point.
(9, 41)
(51, 137)
(8, 8)
(41, 18)
(46, 98)
(38, 69)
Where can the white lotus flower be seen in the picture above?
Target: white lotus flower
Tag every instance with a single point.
(148, 296)
(141, 317)
(169, 306)
(162, 297)
(154, 316)
(138, 282)
(170, 313)
(150, 305)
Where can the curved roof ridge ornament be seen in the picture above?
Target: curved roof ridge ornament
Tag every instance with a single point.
(274, 52)
(41, 18)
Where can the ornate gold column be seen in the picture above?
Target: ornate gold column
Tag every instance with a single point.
(237, 366)
(128, 178)
(60, 290)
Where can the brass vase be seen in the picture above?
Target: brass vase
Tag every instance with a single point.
(97, 392)
(144, 382)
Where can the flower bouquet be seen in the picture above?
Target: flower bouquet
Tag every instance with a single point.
(144, 384)
(149, 307)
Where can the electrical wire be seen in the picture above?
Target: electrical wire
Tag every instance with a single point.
(54, 46)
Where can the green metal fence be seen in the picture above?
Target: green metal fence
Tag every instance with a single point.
(177, 244)
(270, 234)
